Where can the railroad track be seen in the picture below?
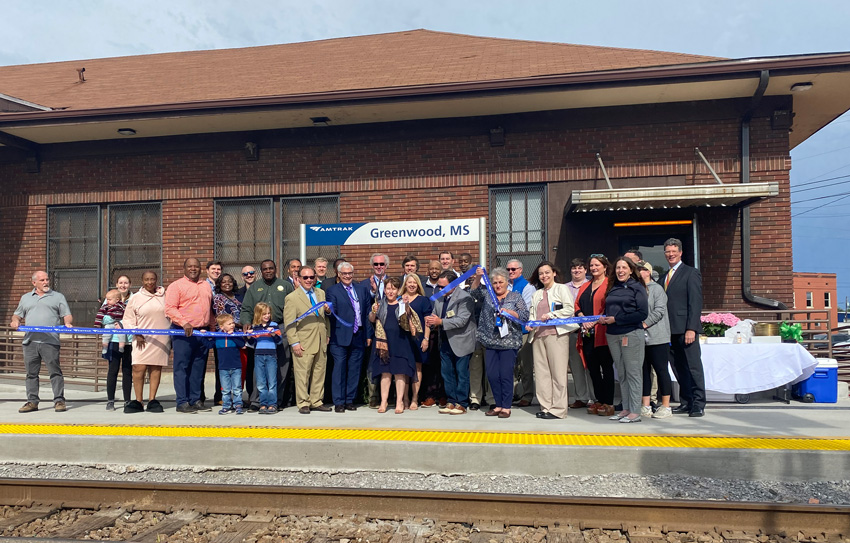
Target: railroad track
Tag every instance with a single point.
(71, 510)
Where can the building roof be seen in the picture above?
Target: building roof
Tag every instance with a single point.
(399, 59)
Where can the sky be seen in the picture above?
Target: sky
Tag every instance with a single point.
(47, 31)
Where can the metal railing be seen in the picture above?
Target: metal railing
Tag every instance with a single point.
(79, 359)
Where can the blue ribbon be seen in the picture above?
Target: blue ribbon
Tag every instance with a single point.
(442, 292)
(133, 331)
(316, 308)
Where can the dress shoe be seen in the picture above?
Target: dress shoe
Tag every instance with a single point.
(577, 404)
(523, 403)
(474, 406)
(322, 408)
(681, 409)
(696, 412)
(186, 408)
(539, 414)
(492, 413)
(254, 408)
(59, 406)
(199, 406)
(504, 414)
(548, 416)
(429, 402)
(304, 410)
(350, 407)
(339, 409)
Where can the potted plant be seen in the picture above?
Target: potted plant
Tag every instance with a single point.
(714, 326)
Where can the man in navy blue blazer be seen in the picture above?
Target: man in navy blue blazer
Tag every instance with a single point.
(352, 302)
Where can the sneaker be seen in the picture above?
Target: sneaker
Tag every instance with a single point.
(60, 406)
(28, 408)
(223, 411)
(134, 407)
(662, 413)
(458, 410)
(447, 409)
(154, 407)
(199, 406)
(110, 406)
(186, 408)
(645, 411)
(239, 411)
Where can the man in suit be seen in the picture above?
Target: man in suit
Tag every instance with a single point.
(375, 283)
(309, 341)
(453, 313)
(352, 302)
(293, 266)
(684, 305)
(410, 266)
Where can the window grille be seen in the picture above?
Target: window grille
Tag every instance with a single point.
(307, 210)
(73, 257)
(517, 226)
(135, 241)
(244, 233)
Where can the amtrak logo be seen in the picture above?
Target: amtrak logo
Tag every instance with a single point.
(332, 228)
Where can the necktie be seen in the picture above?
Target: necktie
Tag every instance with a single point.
(445, 306)
(669, 276)
(356, 306)
(312, 300)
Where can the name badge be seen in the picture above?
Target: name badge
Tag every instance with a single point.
(503, 329)
(450, 314)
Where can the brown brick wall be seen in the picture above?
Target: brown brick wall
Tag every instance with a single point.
(415, 177)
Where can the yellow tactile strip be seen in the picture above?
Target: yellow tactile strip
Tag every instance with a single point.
(440, 436)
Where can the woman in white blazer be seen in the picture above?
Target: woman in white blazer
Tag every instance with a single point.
(550, 344)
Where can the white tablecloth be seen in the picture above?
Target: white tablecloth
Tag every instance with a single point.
(753, 367)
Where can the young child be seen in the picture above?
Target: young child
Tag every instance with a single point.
(265, 357)
(109, 317)
(229, 366)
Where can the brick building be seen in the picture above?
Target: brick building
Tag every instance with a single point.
(817, 291)
(139, 162)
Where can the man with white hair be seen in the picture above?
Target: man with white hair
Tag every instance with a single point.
(518, 283)
(42, 307)
(375, 283)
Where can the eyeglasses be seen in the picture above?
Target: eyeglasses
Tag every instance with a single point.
(376, 264)
(513, 269)
(248, 274)
(308, 277)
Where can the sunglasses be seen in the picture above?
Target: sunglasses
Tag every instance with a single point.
(308, 277)
(513, 269)
(248, 274)
(376, 264)
(597, 255)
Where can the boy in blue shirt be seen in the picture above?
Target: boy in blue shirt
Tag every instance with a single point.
(229, 366)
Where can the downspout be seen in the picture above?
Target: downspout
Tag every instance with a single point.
(746, 280)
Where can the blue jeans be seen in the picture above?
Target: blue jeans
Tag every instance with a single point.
(190, 363)
(455, 371)
(231, 388)
(346, 372)
(265, 370)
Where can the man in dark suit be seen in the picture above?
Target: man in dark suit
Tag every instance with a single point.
(410, 266)
(352, 302)
(375, 283)
(684, 306)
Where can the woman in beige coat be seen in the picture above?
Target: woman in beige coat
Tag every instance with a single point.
(146, 309)
(550, 344)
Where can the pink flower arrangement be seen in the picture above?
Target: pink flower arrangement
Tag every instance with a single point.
(716, 324)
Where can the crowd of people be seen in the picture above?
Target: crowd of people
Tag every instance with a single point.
(485, 342)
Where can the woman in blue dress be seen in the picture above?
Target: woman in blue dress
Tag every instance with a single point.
(414, 295)
(392, 355)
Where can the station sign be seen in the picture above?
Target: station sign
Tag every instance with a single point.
(396, 232)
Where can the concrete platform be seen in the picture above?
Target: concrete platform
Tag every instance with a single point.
(764, 439)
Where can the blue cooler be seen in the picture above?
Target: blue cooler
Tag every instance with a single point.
(822, 385)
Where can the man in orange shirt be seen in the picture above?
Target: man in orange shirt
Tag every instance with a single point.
(188, 303)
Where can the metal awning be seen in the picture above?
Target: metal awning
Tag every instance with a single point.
(725, 195)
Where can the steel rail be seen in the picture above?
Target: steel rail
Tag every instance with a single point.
(498, 509)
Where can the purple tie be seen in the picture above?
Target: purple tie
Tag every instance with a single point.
(356, 307)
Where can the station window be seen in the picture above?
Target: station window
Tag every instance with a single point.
(244, 233)
(518, 225)
(827, 299)
(809, 300)
(135, 241)
(73, 257)
(307, 210)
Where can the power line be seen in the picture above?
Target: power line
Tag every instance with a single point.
(818, 207)
(824, 153)
(820, 187)
(796, 185)
(820, 198)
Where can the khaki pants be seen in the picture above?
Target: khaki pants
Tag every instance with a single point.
(309, 376)
(479, 387)
(551, 360)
